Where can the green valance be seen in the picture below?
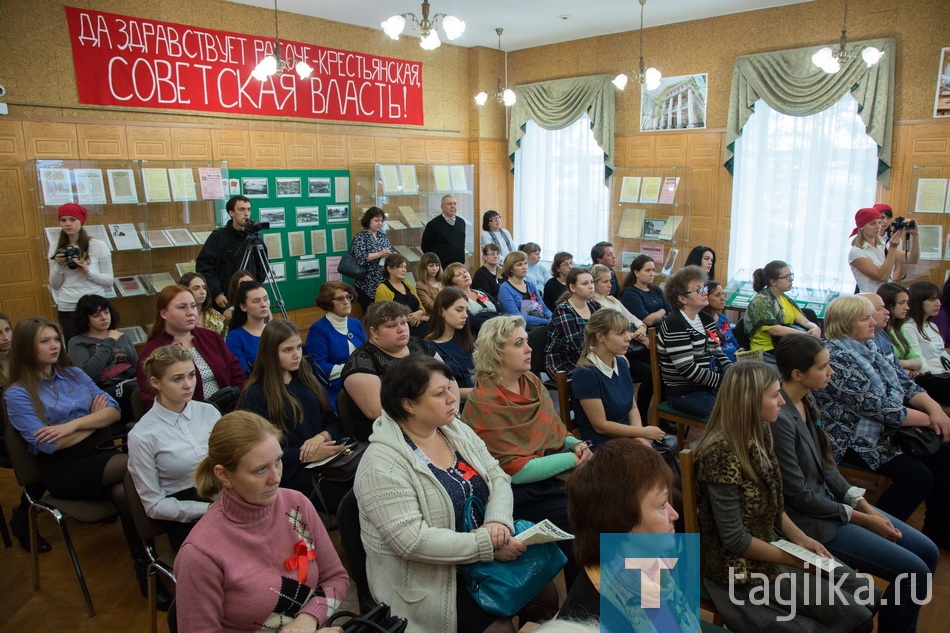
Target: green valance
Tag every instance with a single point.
(554, 105)
(790, 83)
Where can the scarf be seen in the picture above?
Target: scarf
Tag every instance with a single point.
(765, 309)
(515, 427)
(505, 237)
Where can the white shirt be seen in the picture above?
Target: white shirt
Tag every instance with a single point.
(613, 303)
(73, 284)
(341, 325)
(876, 255)
(164, 451)
(930, 350)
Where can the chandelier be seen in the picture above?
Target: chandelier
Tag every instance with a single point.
(273, 65)
(506, 96)
(452, 26)
(649, 77)
(831, 58)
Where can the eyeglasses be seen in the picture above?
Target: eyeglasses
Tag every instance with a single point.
(788, 277)
(342, 298)
(700, 291)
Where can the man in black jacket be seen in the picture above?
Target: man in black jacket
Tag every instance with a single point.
(444, 235)
(221, 255)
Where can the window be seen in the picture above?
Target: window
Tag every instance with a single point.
(798, 183)
(560, 199)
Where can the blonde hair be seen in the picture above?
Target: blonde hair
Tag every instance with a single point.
(843, 312)
(233, 436)
(448, 274)
(860, 242)
(161, 359)
(492, 338)
(736, 417)
(598, 270)
(604, 321)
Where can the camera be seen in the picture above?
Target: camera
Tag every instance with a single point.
(255, 227)
(71, 253)
(900, 223)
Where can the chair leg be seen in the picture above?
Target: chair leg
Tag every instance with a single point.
(4, 530)
(152, 599)
(90, 610)
(34, 553)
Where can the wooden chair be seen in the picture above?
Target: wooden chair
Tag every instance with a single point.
(348, 515)
(857, 473)
(661, 409)
(691, 521)
(564, 403)
(148, 530)
(27, 473)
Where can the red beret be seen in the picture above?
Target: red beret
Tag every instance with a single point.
(75, 210)
(863, 217)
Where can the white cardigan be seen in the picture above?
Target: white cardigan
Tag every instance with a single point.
(408, 524)
(930, 350)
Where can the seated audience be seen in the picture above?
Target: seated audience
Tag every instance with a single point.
(59, 412)
(260, 558)
(925, 340)
(596, 509)
(450, 337)
(481, 306)
(537, 273)
(175, 318)
(566, 330)
(251, 314)
(871, 263)
(601, 385)
(428, 280)
(641, 296)
(603, 253)
(705, 258)
(897, 303)
(488, 276)
(167, 444)
(283, 389)
(388, 341)
(942, 320)
(396, 288)
(518, 295)
(716, 308)
(512, 412)
(335, 336)
(494, 235)
(556, 286)
(421, 465)
(103, 352)
(238, 278)
(692, 363)
(741, 513)
(771, 314)
(868, 395)
(208, 317)
(829, 509)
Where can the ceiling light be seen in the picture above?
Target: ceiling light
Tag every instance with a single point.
(273, 65)
(649, 77)
(504, 96)
(831, 58)
(452, 26)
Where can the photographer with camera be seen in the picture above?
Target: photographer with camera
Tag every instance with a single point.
(79, 265)
(871, 264)
(221, 254)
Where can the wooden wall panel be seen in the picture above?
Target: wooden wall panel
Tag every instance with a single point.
(360, 149)
(45, 139)
(23, 302)
(15, 204)
(437, 152)
(267, 149)
(191, 143)
(413, 150)
(102, 142)
(671, 149)
(639, 151)
(388, 149)
(331, 151)
(300, 148)
(233, 146)
(12, 144)
(149, 142)
(458, 152)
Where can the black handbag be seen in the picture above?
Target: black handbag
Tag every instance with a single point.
(350, 267)
(341, 468)
(376, 620)
(916, 441)
(224, 399)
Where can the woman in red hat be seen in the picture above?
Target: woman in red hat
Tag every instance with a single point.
(871, 263)
(79, 265)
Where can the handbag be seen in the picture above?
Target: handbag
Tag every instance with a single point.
(340, 468)
(224, 399)
(376, 619)
(504, 588)
(350, 267)
(917, 441)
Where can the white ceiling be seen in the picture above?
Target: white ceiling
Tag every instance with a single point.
(527, 23)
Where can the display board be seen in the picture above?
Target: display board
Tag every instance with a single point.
(309, 215)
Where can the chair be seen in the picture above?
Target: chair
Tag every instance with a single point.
(343, 408)
(4, 463)
(137, 401)
(859, 473)
(148, 530)
(661, 409)
(691, 520)
(741, 337)
(348, 516)
(536, 341)
(564, 402)
(27, 473)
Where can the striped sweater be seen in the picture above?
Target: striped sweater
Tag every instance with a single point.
(685, 355)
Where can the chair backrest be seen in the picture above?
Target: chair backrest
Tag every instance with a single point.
(137, 402)
(688, 481)
(348, 518)
(147, 527)
(343, 409)
(741, 337)
(25, 468)
(536, 340)
(655, 375)
(564, 401)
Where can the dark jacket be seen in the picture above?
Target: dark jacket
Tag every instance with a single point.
(220, 257)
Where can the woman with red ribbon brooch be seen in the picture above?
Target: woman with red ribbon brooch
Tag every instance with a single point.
(260, 559)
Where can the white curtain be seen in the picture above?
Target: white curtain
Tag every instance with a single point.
(798, 183)
(560, 199)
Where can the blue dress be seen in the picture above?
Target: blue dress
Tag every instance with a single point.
(328, 348)
(615, 392)
(244, 346)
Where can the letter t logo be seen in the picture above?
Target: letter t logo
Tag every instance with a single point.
(650, 569)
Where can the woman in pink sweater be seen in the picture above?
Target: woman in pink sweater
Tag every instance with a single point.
(260, 558)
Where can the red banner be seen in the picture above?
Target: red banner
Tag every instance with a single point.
(131, 62)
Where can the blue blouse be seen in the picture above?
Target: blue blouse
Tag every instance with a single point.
(642, 303)
(244, 346)
(616, 393)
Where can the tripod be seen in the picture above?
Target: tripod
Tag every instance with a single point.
(254, 247)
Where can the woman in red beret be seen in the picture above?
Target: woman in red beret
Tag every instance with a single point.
(871, 263)
(79, 265)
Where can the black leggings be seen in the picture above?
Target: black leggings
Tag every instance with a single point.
(641, 374)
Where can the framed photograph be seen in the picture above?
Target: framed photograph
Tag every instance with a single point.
(180, 237)
(942, 99)
(256, 187)
(280, 271)
(337, 214)
(318, 187)
(308, 216)
(288, 187)
(308, 268)
(679, 103)
(652, 228)
(135, 333)
(275, 216)
(670, 261)
(931, 239)
(130, 286)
